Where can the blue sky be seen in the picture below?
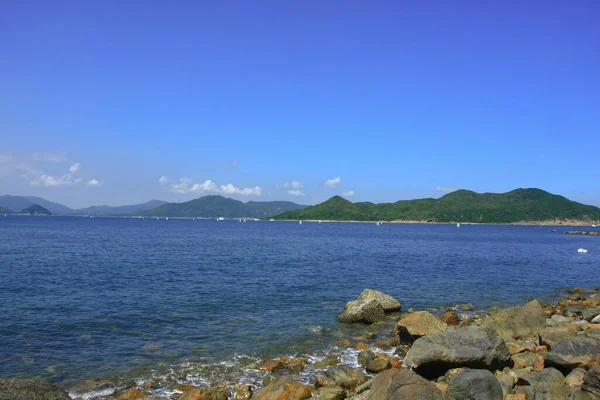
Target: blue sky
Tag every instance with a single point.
(399, 99)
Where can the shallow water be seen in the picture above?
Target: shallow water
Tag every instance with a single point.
(83, 298)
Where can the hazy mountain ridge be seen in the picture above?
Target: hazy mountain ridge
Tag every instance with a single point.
(519, 205)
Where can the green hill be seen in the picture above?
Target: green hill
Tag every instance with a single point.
(520, 205)
(5, 211)
(35, 210)
(219, 206)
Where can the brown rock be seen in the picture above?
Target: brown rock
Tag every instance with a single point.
(404, 384)
(242, 391)
(519, 322)
(284, 364)
(345, 343)
(550, 337)
(341, 375)
(450, 318)
(204, 394)
(575, 378)
(331, 393)
(361, 346)
(284, 388)
(133, 394)
(378, 365)
(528, 359)
(420, 323)
(184, 388)
(520, 396)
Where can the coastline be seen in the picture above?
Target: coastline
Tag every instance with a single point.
(530, 333)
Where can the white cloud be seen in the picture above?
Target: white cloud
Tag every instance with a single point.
(186, 185)
(296, 193)
(293, 185)
(230, 189)
(349, 193)
(95, 182)
(52, 181)
(74, 168)
(163, 180)
(331, 183)
(49, 157)
(445, 189)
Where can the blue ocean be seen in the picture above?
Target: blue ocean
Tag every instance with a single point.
(102, 297)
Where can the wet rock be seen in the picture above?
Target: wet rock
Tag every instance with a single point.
(204, 394)
(364, 357)
(403, 384)
(132, 395)
(328, 362)
(519, 322)
(417, 324)
(242, 391)
(361, 346)
(378, 365)
(547, 384)
(480, 348)
(387, 302)
(476, 384)
(528, 359)
(591, 381)
(284, 364)
(450, 318)
(284, 388)
(268, 379)
(574, 352)
(465, 307)
(357, 311)
(331, 393)
(575, 378)
(341, 375)
(29, 389)
(552, 336)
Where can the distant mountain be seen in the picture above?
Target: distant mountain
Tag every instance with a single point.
(35, 209)
(22, 202)
(5, 211)
(218, 206)
(120, 210)
(520, 205)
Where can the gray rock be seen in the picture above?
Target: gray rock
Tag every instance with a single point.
(573, 352)
(364, 357)
(546, 384)
(519, 322)
(365, 386)
(403, 384)
(475, 384)
(387, 302)
(550, 337)
(596, 319)
(473, 347)
(341, 375)
(507, 382)
(331, 393)
(366, 312)
(556, 319)
(28, 389)
(591, 381)
(378, 365)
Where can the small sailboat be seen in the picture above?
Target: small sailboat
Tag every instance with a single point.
(582, 250)
(157, 218)
(271, 220)
(593, 225)
(458, 225)
(300, 222)
(240, 220)
(167, 218)
(244, 220)
(220, 219)
(319, 221)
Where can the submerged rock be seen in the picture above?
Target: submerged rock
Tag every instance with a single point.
(29, 389)
(331, 393)
(472, 347)
(284, 388)
(475, 384)
(519, 322)
(364, 357)
(574, 352)
(403, 384)
(132, 394)
(284, 364)
(204, 394)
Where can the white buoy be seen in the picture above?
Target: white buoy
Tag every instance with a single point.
(582, 250)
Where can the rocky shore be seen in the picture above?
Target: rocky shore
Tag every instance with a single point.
(534, 351)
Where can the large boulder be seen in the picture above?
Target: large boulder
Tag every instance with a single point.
(365, 312)
(403, 384)
(575, 352)
(550, 337)
(479, 348)
(387, 302)
(546, 384)
(475, 384)
(341, 375)
(419, 324)
(284, 388)
(519, 322)
(28, 389)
